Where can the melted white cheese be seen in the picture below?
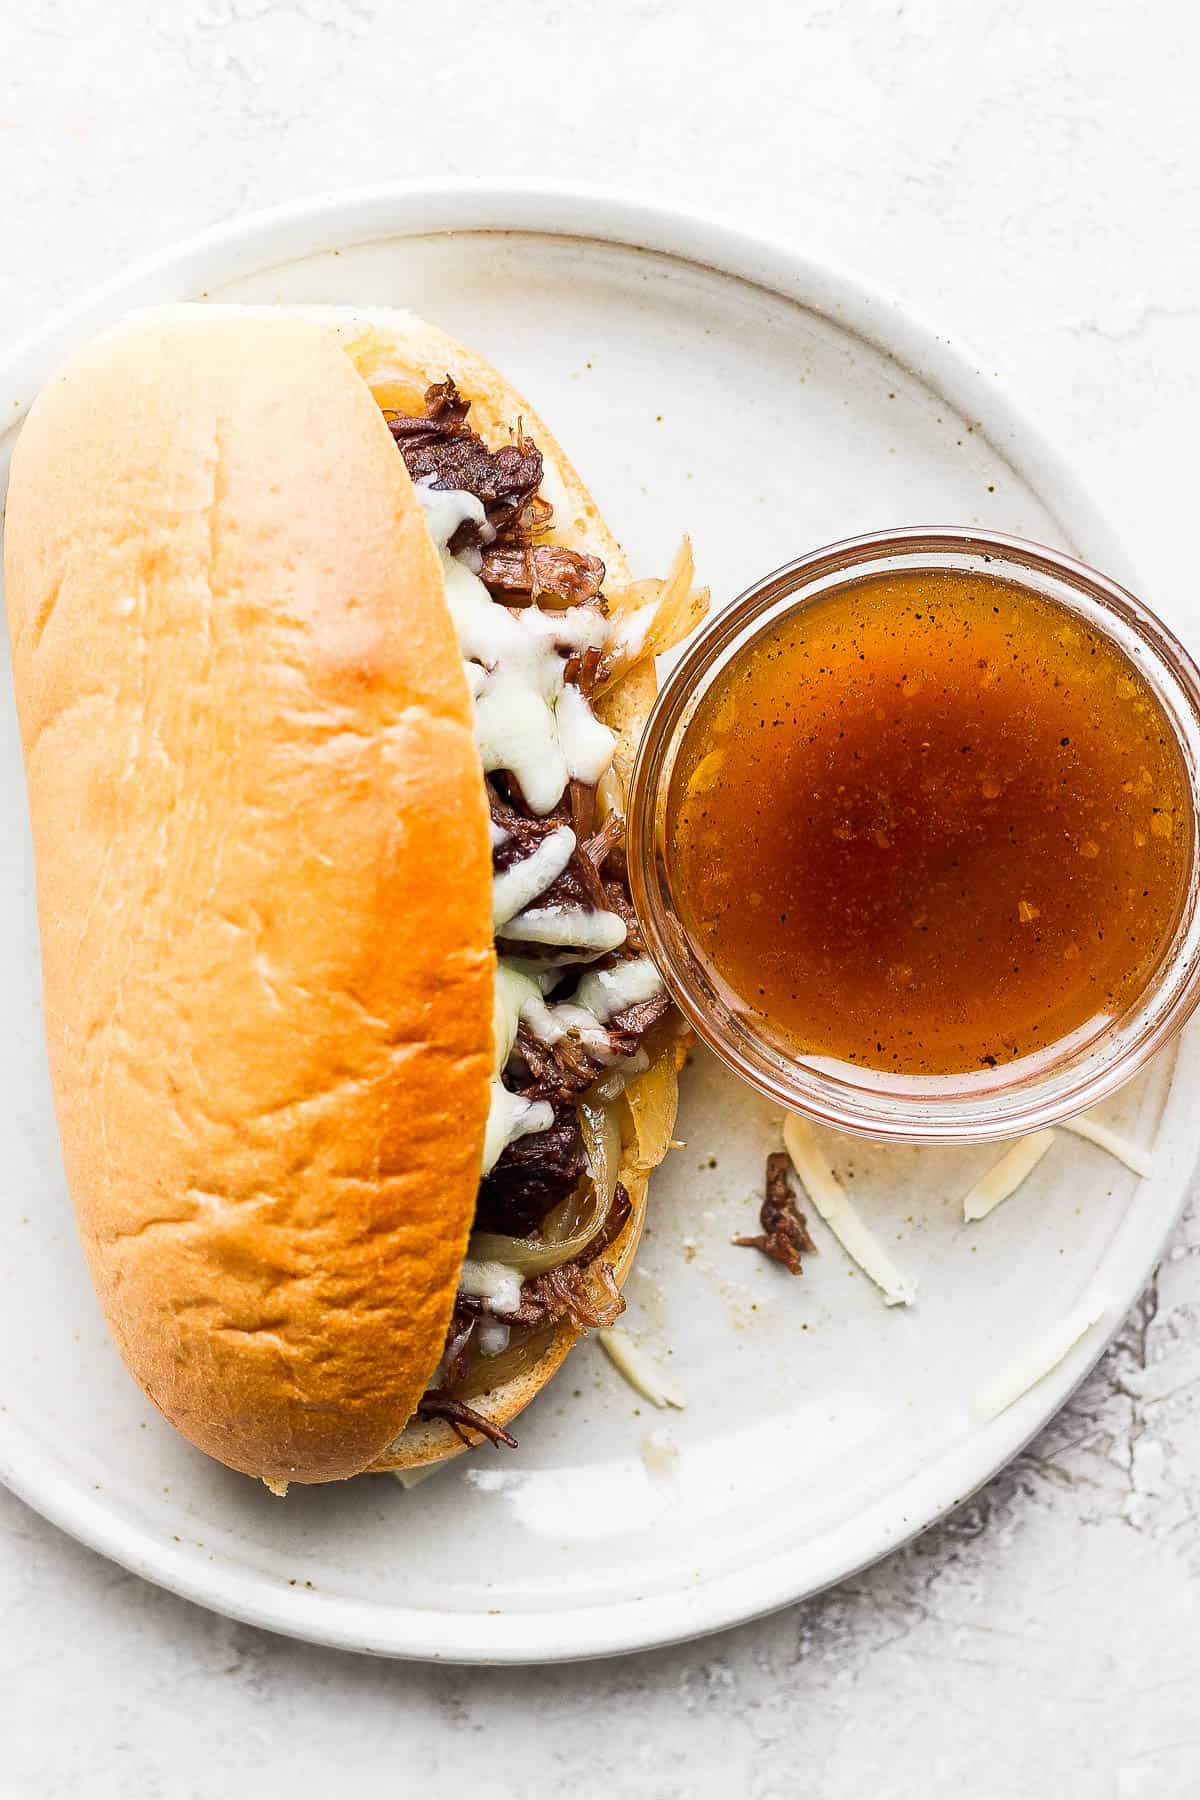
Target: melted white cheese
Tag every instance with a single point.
(513, 991)
(848, 1227)
(448, 508)
(517, 674)
(550, 1023)
(509, 1116)
(525, 880)
(607, 992)
(542, 975)
(586, 744)
(539, 728)
(599, 998)
(575, 926)
(492, 1337)
(497, 1283)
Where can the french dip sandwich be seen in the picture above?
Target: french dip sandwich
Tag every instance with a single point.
(329, 676)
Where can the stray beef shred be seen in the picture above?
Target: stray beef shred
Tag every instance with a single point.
(461, 1418)
(784, 1229)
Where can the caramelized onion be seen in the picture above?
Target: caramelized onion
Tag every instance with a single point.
(651, 1099)
(569, 1228)
(602, 1147)
(392, 388)
(650, 617)
(566, 1233)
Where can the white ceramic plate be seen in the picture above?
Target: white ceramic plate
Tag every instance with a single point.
(701, 380)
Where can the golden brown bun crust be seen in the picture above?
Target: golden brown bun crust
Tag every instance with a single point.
(264, 879)
(399, 348)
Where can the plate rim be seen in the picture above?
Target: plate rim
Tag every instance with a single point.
(282, 234)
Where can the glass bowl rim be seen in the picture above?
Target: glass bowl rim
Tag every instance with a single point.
(1029, 1101)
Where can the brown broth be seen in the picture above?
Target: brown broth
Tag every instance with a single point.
(929, 824)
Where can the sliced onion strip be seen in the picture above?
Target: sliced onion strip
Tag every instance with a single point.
(602, 1147)
(650, 617)
(566, 1233)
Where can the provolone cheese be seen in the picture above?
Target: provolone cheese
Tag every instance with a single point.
(1124, 1149)
(639, 1369)
(1036, 1361)
(847, 1226)
(1005, 1177)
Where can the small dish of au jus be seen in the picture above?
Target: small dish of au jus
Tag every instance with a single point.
(913, 835)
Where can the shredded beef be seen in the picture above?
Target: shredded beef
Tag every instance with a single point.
(541, 569)
(445, 412)
(551, 1072)
(511, 810)
(539, 1171)
(784, 1229)
(556, 1071)
(523, 830)
(579, 884)
(569, 1066)
(602, 843)
(529, 522)
(532, 1176)
(581, 807)
(435, 1403)
(522, 833)
(637, 1020)
(441, 445)
(616, 899)
(586, 670)
(588, 1296)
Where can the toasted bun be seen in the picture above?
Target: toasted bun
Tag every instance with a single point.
(264, 879)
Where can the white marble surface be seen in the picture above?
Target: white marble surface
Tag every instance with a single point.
(1025, 173)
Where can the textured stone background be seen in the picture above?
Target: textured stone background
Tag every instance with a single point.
(1025, 173)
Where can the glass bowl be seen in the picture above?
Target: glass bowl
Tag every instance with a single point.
(978, 1105)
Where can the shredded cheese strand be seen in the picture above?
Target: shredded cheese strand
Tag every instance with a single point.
(1038, 1360)
(1134, 1156)
(639, 1370)
(1021, 1158)
(411, 1478)
(833, 1204)
(1005, 1177)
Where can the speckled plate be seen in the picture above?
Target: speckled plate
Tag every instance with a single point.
(707, 381)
